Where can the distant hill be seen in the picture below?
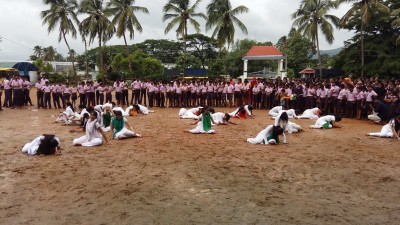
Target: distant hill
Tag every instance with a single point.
(331, 52)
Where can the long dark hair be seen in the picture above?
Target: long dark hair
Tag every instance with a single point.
(70, 105)
(276, 131)
(397, 123)
(47, 145)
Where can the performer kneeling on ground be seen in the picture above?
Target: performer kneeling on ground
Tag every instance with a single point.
(119, 126)
(46, 144)
(327, 122)
(94, 135)
(390, 130)
(269, 135)
(204, 123)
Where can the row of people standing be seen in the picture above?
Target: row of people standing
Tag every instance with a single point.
(16, 92)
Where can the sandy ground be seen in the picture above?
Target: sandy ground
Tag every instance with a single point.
(336, 176)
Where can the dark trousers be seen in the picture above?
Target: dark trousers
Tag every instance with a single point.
(151, 95)
(82, 99)
(142, 97)
(18, 97)
(27, 98)
(101, 98)
(135, 96)
(108, 97)
(8, 101)
(47, 100)
(39, 97)
(65, 98)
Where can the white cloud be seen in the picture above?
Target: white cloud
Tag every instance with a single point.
(21, 25)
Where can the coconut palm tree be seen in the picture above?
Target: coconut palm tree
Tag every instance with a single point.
(223, 18)
(38, 51)
(62, 14)
(180, 13)
(312, 17)
(96, 25)
(125, 20)
(362, 9)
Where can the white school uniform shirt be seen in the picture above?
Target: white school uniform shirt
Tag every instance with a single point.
(32, 147)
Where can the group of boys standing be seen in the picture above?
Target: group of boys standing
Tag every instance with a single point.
(16, 92)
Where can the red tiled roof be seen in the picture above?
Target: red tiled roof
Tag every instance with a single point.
(263, 51)
(307, 70)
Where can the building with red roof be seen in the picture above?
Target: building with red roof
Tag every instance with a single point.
(266, 53)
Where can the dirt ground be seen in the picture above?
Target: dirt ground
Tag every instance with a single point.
(336, 176)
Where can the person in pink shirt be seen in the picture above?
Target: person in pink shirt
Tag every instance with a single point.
(74, 95)
(118, 92)
(351, 102)
(136, 86)
(82, 94)
(26, 85)
(47, 95)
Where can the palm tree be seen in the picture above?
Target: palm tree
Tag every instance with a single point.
(396, 22)
(62, 13)
(180, 12)
(362, 9)
(38, 51)
(223, 18)
(49, 53)
(312, 16)
(97, 25)
(125, 20)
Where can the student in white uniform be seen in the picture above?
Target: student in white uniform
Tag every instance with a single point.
(275, 111)
(138, 109)
(313, 114)
(68, 115)
(327, 122)
(192, 113)
(247, 109)
(293, 128)
(94, 135)
(390, 130)
(204, 123)
(269, 135)
(45, 144)
(222, 118)
(121, 128)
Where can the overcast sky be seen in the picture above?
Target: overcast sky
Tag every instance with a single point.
(21, 26)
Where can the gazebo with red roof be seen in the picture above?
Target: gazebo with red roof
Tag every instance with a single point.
(307, 73)
(265, 53)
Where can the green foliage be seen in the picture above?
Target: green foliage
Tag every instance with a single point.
(298, 51)
(43, 66)
(142, 66)
(56, 78)
(234, 62)
(382, 56)
(202, 47)
(216, 68)
(192, 62)
(290, 73)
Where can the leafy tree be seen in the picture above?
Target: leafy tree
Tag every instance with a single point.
(192, 61)
(180, 13)
(298, 50)
(49, 53)
(125, 20)
(396, 22)
(313, 16)
(164, 50)
(382, 56)
(363, 9)
(222, 18)
(62, 13)
(202, 47)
